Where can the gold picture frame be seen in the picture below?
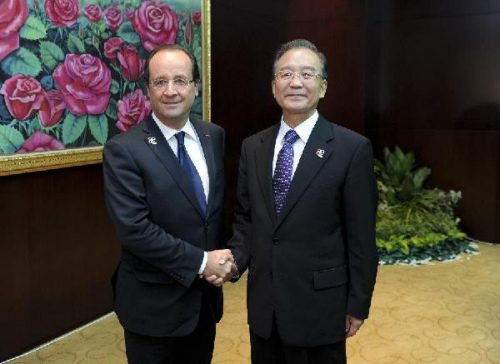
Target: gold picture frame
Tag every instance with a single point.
(17, 163)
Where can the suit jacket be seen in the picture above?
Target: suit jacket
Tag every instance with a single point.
(162, 229)
(317, 261)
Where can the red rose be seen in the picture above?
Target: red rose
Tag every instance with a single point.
(112, 47)
(155, 23)
(132, 110)
(12, 17)
(23, 96)
(113, 17)
(93, 13)
(131, 65)
(40, 142)
(52, 108)
(62, 13)
(188, 33)
(196, 16)
(84, 81)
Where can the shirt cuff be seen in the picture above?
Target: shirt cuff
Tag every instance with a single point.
(203, 263)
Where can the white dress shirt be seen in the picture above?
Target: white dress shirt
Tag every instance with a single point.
(304, 130)
(195, 151)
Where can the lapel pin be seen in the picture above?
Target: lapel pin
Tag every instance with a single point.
(207, 135)
(320, 153)
(152, 140)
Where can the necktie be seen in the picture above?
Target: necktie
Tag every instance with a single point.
(191, 172)
(283, 171)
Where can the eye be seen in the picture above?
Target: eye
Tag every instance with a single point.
(286, 75)
(306, 75)
(159, 84)
(181, 82)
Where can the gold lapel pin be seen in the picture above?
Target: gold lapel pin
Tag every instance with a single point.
(320, 153)
(207, 135)
(152, 140)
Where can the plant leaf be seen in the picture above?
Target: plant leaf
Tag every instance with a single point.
(128, 33)
(10, 140)
(33, 29)
(22, 61)
(112, 109)
(51, 54)
(75, 45)
(99, 127)
(73, 127)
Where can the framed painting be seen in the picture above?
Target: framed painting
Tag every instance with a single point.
(71, 73)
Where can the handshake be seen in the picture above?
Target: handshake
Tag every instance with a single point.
(220, 267)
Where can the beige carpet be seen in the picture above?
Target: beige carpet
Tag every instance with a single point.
(447, 313)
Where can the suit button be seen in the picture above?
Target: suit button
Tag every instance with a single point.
(207, 226)
(276, 241)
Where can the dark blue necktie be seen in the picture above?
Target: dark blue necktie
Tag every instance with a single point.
(283, 171)
(191, 172)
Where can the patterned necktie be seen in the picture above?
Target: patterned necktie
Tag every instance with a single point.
(191, 172)
(283, 171)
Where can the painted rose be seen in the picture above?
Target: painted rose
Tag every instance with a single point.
(85, 82)
(196, 17)
(155, 23)
(12, 17)
(132, 110)
(52, 108)
(40, 142)
(112, 47)
(131, 64)
(62, 13)
(113, 17)
(188, 33)
(23, 96)
(93, 13)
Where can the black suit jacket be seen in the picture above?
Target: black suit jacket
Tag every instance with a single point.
(317, 261)
(162, 229)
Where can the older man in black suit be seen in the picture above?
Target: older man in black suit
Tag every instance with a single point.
(305, 223)
(164, 188)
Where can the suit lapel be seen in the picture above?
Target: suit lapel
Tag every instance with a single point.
(264, 159)
(156, 141)
(208, 151)
(316, 152)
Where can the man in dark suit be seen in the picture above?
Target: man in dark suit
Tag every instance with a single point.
(305, 222)
(164, 189)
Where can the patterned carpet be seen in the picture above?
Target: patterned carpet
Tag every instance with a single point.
(439, 314)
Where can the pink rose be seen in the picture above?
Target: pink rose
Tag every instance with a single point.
(12, 17)
(52, 108)
(155, 23)
(131, 65)
(196, 16)
(188, 34)
(112, 47)
(132, 110)
(62, 13)
(113, 17)
(40, 142)
(93, 13)
(23, 96)
(85, 82)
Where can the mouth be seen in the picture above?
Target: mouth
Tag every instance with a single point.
(295, 96)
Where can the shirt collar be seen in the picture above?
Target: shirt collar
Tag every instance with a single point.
(304, 129)
(169, 132)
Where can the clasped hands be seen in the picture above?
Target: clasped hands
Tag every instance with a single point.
(220, 267)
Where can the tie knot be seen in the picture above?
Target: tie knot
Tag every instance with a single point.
(291, 136)
(180, 137)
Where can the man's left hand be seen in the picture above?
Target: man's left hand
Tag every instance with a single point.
(352, 325)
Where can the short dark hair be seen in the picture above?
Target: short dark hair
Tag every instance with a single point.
(171, 47)
(300, 43)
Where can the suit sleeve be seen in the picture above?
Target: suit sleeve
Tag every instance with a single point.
(242, 217)
(125, 196)
(360, 206)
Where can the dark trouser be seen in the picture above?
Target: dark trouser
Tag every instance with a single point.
(195, 348)
(273, 351)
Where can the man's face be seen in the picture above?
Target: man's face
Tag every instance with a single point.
(171, 104)
(297, 96)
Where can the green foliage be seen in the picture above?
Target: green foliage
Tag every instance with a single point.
(73, 127)
(411, 219)
(10, 139)
(33, 29)
(51, 54)
(98, 125)
(22, 61)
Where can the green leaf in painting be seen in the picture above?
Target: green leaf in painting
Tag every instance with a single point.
(75, 45)
(22, 61)
(10, 140)
(128, 33)
(33, 29)
(51, 54)
(112, 109)
(115, 87)
(99, 127)
(73, 127)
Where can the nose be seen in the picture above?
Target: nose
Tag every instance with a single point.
(170, 89)
(296, 81)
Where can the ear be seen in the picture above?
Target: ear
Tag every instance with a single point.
(322, 91)
(196, 88)
(273, 88)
